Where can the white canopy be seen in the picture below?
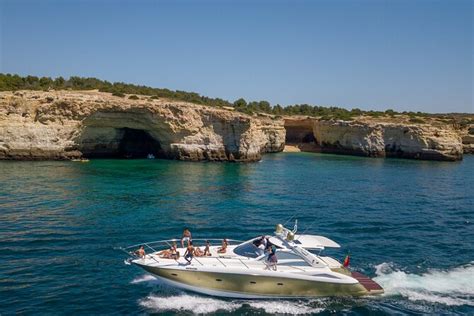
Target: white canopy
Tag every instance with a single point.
(309, 242)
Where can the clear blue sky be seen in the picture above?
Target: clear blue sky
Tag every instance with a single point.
(405, 55)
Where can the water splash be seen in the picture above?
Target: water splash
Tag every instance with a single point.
(286, 307)
(189, 303)
(454, 287)
(146, 278)
(205, 305)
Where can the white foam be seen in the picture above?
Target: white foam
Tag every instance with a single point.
(144, 278)
(186, 302)
(452, 287)
(204, 305)
(285, 307)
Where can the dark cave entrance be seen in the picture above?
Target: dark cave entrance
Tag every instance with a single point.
(137, 143)
(299, 134)
(109, 142)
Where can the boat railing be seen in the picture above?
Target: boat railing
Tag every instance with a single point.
(158, 245)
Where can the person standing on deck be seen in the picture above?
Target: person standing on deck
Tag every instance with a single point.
(186, 237)
(189, 254)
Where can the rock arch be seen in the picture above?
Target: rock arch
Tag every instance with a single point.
(124, 134)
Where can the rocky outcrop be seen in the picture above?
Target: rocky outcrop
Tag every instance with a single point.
(389, 140)
(467, 136)
(71, 124)
(376, 138)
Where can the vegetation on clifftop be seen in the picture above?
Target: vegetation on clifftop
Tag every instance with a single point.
(9, 82)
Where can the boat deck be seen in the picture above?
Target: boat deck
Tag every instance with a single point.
(370, 285)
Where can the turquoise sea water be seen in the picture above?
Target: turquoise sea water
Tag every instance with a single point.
(409, 224)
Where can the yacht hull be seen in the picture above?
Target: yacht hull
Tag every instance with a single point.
(236, 285)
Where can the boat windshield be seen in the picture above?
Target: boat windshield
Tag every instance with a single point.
(247, 249)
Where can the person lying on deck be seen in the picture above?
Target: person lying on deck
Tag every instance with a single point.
(207, 250)
(223, 248)
(168, 253)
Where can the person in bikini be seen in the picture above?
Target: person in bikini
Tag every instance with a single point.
(174, 254)
(198, 252)
(223, 248)
(167, 253)
(207, 250)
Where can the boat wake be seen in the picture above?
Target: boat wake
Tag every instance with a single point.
(174, 299)
(454, 287)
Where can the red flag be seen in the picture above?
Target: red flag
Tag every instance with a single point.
(347, 260)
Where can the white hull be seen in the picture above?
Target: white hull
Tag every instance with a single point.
(225, 294)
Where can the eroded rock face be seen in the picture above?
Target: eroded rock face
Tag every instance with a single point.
(467, 136)
(389, 140)
(70, 124)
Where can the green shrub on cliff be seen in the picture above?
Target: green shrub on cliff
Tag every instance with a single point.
(134, 97)
(416, 120)
(9, 82)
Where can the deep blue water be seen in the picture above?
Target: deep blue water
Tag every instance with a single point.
(408, 223)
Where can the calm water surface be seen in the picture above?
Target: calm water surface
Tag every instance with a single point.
(409, 224)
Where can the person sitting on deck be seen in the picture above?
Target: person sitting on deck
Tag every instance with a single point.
(198, 252)
(189, 254)
(223, 248)
(207, 250)
(167, 253)
(261, 244)
(186, 237)
(140, 252)
(272, 259)
(174, 252)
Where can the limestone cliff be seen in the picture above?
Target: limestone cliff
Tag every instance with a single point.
(389, 140)
(71, 124)
(467, 136)
(379, 138)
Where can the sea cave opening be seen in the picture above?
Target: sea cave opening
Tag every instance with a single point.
(137, 143)
(299, 135)
(119, 143)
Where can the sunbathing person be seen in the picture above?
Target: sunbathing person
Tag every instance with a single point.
(223, 248)
(198, 252)
(174, 253)
(167, 252)
(207, 250)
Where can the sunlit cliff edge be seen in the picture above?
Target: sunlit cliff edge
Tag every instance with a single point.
(58, 125)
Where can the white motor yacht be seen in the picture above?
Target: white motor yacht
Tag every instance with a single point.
(244, 270)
